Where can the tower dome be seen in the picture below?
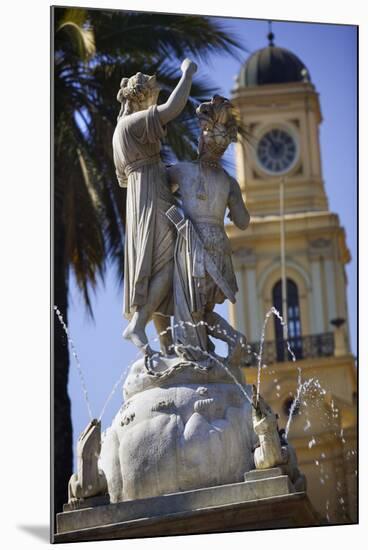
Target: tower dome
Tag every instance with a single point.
(272, 65)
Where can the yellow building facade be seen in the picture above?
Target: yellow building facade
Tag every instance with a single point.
(279, 106)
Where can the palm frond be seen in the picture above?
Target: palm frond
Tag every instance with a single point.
(163, 35)
(73, 33)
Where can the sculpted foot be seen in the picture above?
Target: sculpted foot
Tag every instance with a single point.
(138, 337)
(136, 334)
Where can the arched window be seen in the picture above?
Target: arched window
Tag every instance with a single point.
(294, 325)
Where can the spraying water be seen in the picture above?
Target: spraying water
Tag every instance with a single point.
(114, 388)
(302, 389)
(77, 362)
(276, 313)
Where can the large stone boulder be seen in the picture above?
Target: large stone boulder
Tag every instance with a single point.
(187, 429)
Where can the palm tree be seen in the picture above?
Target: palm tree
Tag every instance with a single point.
(93, 49)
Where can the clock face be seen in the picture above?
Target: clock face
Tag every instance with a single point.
(276, 151)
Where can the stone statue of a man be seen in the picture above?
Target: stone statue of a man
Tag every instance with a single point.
(150, 237)
(205, 191)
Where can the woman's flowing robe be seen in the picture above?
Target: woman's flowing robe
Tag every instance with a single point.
(149, 237)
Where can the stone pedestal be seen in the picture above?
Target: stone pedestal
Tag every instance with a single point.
(257, 503)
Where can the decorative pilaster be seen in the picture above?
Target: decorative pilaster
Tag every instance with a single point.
(319, 251)
(330, 288)
(246, 311)
(317, 297)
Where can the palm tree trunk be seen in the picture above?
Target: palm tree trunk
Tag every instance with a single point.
(61, 436)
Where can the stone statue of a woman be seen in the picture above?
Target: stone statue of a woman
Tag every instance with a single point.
(150, 237)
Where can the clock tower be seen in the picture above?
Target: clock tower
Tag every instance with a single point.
(279, 106)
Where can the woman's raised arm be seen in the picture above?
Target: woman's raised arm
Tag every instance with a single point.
(178, 98)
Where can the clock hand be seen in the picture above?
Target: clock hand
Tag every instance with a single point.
(273, 145)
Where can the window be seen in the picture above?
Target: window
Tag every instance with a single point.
(294, 325)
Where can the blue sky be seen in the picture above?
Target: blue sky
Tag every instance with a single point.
(329, 52)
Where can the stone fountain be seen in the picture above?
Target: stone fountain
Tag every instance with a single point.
(193, 448)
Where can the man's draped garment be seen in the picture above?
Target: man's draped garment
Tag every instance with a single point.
(149, 237)
(195, 292)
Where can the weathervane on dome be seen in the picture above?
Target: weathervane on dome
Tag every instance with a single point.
(270, 35)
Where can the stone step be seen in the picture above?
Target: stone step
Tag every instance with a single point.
(267, 473)
(174, 503)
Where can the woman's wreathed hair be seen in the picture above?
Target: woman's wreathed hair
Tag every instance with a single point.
(133, 91)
